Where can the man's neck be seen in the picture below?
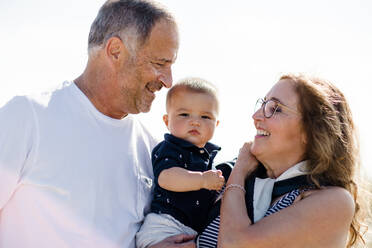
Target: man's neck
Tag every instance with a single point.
(96, 94)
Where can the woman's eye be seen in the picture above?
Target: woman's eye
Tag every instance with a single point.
(273, 109)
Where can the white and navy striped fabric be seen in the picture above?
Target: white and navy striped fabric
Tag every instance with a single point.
(284, 202)
(208, 238)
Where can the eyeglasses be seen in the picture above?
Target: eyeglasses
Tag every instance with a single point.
(270, 107)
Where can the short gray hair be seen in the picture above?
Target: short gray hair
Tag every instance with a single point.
(129, 20)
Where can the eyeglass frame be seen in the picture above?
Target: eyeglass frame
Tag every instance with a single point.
(278, 104)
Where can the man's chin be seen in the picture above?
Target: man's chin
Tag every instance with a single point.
(143, 109)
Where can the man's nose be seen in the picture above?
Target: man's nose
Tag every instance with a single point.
(166, 78)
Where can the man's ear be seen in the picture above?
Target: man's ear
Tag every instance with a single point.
(116, 49)
(165, 119)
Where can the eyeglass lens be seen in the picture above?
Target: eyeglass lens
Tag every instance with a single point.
(269, 107)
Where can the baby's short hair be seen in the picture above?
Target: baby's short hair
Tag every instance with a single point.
(193, 84)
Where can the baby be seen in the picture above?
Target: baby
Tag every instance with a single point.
(185, 184)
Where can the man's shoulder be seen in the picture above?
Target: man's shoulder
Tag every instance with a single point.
(43, 98)
(17, 109)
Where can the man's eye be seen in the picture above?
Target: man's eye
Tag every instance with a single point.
(158, 64)
(206, 117)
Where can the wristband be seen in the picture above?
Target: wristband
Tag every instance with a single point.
(233, 185)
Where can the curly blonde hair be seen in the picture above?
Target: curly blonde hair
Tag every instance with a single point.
(332, 143)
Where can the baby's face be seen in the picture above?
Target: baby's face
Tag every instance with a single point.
(192, 116)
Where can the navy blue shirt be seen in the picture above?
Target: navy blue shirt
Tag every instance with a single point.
(190, 208)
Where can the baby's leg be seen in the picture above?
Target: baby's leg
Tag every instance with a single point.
(157, 227)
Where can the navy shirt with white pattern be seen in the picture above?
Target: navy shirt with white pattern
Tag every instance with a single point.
(190, 208)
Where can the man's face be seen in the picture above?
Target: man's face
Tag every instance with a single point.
(150, 69)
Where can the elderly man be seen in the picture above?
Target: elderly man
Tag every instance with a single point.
(75, 167)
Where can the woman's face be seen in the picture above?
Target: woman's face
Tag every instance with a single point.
(279, 138)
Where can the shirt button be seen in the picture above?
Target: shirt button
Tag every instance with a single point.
(166, 159)
(180, 155)
(185, 165)
(197, 202)
(201, 151)
(167, 200)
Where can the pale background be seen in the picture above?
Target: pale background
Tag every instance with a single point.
(240, 46)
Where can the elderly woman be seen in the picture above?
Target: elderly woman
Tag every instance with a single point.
(294, 185)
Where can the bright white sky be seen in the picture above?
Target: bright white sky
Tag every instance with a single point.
(242, 46)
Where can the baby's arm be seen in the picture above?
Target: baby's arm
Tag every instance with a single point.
(181, 180)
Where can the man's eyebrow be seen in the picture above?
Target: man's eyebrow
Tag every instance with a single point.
(165, 60)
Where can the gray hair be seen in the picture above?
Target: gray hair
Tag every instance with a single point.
(129, 20)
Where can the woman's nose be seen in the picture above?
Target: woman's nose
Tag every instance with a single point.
(258, 115)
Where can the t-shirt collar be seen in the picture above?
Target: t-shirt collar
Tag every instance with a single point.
(209, 147)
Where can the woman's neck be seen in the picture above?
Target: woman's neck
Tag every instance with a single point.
(277, 167)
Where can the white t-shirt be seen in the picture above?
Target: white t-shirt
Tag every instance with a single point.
(69, 175)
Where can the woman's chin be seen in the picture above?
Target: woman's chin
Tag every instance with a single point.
(255, 149)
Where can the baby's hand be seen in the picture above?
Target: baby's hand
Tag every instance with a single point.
(213, 180)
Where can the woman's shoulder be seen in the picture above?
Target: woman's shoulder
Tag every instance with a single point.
(333, 198)
(331, 191)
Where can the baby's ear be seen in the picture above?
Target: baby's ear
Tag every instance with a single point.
(165, 119)
(217, 122)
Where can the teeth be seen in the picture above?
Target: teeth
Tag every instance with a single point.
(153, 87)
(263, 132)
(149, 89)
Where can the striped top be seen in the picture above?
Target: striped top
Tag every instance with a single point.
(208, 238)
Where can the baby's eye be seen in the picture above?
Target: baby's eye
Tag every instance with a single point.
(206, 117)
(184, 114)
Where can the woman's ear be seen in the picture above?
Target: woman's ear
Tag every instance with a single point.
(304, 138)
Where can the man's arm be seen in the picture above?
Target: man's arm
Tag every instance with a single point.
(177, 241)
(181, 180)
(17, 127)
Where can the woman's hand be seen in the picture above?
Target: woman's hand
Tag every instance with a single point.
(246, 162)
